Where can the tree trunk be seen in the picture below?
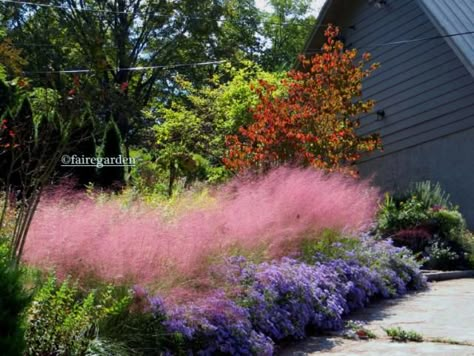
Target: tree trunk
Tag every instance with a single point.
(172, 178)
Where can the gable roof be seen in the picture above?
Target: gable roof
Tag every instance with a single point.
(448, 16)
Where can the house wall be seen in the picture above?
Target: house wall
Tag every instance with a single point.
(428, 98)
(448, 160)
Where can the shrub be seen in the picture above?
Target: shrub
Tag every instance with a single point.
(441, 256)
(285, 297)
(467, 245)
(451, 224)
(430, 195)
(142, 243)
(424, 220)
(61, 321)
(395, 215)
(396, 265)
(415, 239)
(13, 300)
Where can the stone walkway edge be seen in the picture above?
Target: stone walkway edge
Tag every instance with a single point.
(433, 276)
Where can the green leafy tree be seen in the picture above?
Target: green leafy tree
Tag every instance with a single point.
(190, 133)
(106, 37)
(121, 34)
(37, 127)
(285, 28)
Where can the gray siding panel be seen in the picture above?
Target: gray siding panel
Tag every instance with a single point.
(407, 105)
(423, 87)
(432, 129)
(454, 16)
(422, 115)
(369, 32)
(445, 159)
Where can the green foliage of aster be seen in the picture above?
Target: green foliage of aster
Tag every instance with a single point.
(64, 321)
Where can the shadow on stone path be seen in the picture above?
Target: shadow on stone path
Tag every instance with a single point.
(445, 311)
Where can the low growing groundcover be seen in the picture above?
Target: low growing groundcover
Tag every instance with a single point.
(251, 308)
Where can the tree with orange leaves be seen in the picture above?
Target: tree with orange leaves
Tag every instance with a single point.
(314, 121)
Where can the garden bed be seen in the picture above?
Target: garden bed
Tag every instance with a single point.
(255, 264)
(252, 308)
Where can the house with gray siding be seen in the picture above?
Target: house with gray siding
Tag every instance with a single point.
(424, 89)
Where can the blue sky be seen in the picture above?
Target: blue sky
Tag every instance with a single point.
(316, 6)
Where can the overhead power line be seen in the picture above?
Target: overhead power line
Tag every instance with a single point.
(156, 14)
(67, 7)
(196, 64)
(130, 69)
(423, 39)
(414, 40)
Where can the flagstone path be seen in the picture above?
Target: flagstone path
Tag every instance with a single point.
(443, 315)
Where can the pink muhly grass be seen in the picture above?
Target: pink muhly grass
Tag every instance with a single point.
(137, 243)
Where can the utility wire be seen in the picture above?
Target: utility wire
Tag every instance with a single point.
(130, 69)
(415, 40)
(196, 64)
(67, 8)
(156, 14)
(424, 39)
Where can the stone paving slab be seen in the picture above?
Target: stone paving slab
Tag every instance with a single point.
(444, 311)
(377, 348)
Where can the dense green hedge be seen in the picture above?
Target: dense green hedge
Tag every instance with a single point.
(13, 300)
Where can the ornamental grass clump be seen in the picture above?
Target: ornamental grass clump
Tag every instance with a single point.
(82, 235)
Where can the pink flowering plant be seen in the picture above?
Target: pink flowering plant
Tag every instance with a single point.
(314, 264)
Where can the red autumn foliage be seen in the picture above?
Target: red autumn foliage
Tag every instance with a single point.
(123, 86)
(314, 123)
(416, 239)
(6, 136)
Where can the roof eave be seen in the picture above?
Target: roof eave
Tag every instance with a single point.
(466, 61)
(319, 20)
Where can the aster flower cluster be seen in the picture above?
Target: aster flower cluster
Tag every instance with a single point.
(216, 324)
(272, 301)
